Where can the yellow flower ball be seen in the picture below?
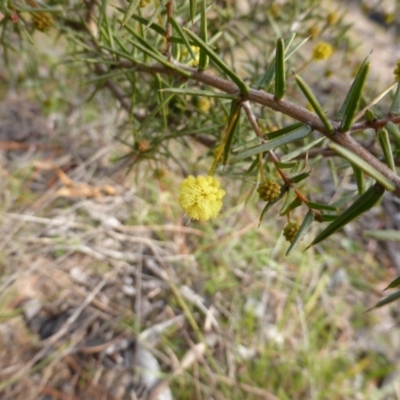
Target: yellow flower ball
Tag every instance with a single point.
(322, 51)
(201, 197)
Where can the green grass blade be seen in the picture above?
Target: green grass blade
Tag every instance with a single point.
(360, 206)
(243, 88)
(395, 107)
(299, 133)
(367, 168)
(203, 57)
(384, 141)
(350, 104)
(314, 103)
(280, 72)
(309, 218)
(387, 300)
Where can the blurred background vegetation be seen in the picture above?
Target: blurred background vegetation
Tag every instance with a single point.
(107, 289)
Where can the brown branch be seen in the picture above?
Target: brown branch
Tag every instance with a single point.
(285, 107)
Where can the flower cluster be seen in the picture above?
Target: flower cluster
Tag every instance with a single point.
(42, 21)
(201, 197)
(290, 231)
(269, 190)
(322, 51)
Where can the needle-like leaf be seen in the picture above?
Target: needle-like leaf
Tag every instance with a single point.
(350, 104)
(280, 73)
(367, 168)
(314, 103)
(360, 206)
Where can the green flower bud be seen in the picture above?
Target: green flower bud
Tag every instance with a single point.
(290, 231)
(42, 21)
(269, 190)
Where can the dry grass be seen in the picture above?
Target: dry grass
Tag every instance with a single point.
(103, 280)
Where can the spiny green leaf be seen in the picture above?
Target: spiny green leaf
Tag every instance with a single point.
(395, 107)
(318, 206)
(394, 283)
(350, 104)
(360, 179)
(264, 80)
(309, 218)
(367, 168)
(280, 72)
(283, 131)
(133, 5)
(243, 88)
(389, 299)
(193, 7)
(328, 217)
(386, 235)
(302, 149)
(384, 141)
(394, 132)
(281, 164)
(203, 57)
(231, 129)
(300, 177)
(314, 103)
(360, 206)
(178, 28)
(296, 134)
(160, 7)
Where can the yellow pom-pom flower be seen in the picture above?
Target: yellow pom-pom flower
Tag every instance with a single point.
(201, 197)
(322, 51)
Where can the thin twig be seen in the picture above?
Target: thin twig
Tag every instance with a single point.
(288, 108)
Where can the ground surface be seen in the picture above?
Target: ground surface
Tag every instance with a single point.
(107, 292)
